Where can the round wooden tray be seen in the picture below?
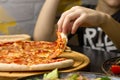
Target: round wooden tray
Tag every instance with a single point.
(80, 61)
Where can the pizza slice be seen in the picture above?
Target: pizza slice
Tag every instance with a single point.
(61, 45)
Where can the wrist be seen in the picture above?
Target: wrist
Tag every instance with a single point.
(104, 20)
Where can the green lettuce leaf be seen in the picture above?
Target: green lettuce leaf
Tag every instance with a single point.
(52, 75)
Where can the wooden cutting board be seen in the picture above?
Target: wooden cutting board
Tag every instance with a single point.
(80, 61)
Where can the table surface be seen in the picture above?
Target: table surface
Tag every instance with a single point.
(97, 58)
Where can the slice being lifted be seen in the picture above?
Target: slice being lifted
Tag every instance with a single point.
(33, 55)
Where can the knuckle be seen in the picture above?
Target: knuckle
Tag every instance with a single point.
(68, 17)
(76, 7)
(78, 11)
(63, 14)
(76, 24)
(85, 14)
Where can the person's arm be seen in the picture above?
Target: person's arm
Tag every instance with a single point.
(80, 16)
(45, 26)
(112, 29)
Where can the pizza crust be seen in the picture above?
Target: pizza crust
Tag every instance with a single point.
(17, 37)
(50, 66)
(64, 36)
(13, 67)
(61, 64)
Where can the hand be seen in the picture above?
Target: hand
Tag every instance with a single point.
(79, 16)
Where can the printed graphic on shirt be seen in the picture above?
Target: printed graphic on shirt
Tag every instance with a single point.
(97, 39)
(6, 21)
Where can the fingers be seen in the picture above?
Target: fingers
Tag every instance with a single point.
(70, 18)
(78, 22)
(61, 20)
(66, 22)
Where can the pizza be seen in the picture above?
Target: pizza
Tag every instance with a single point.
(14, 37)
(33, 55)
